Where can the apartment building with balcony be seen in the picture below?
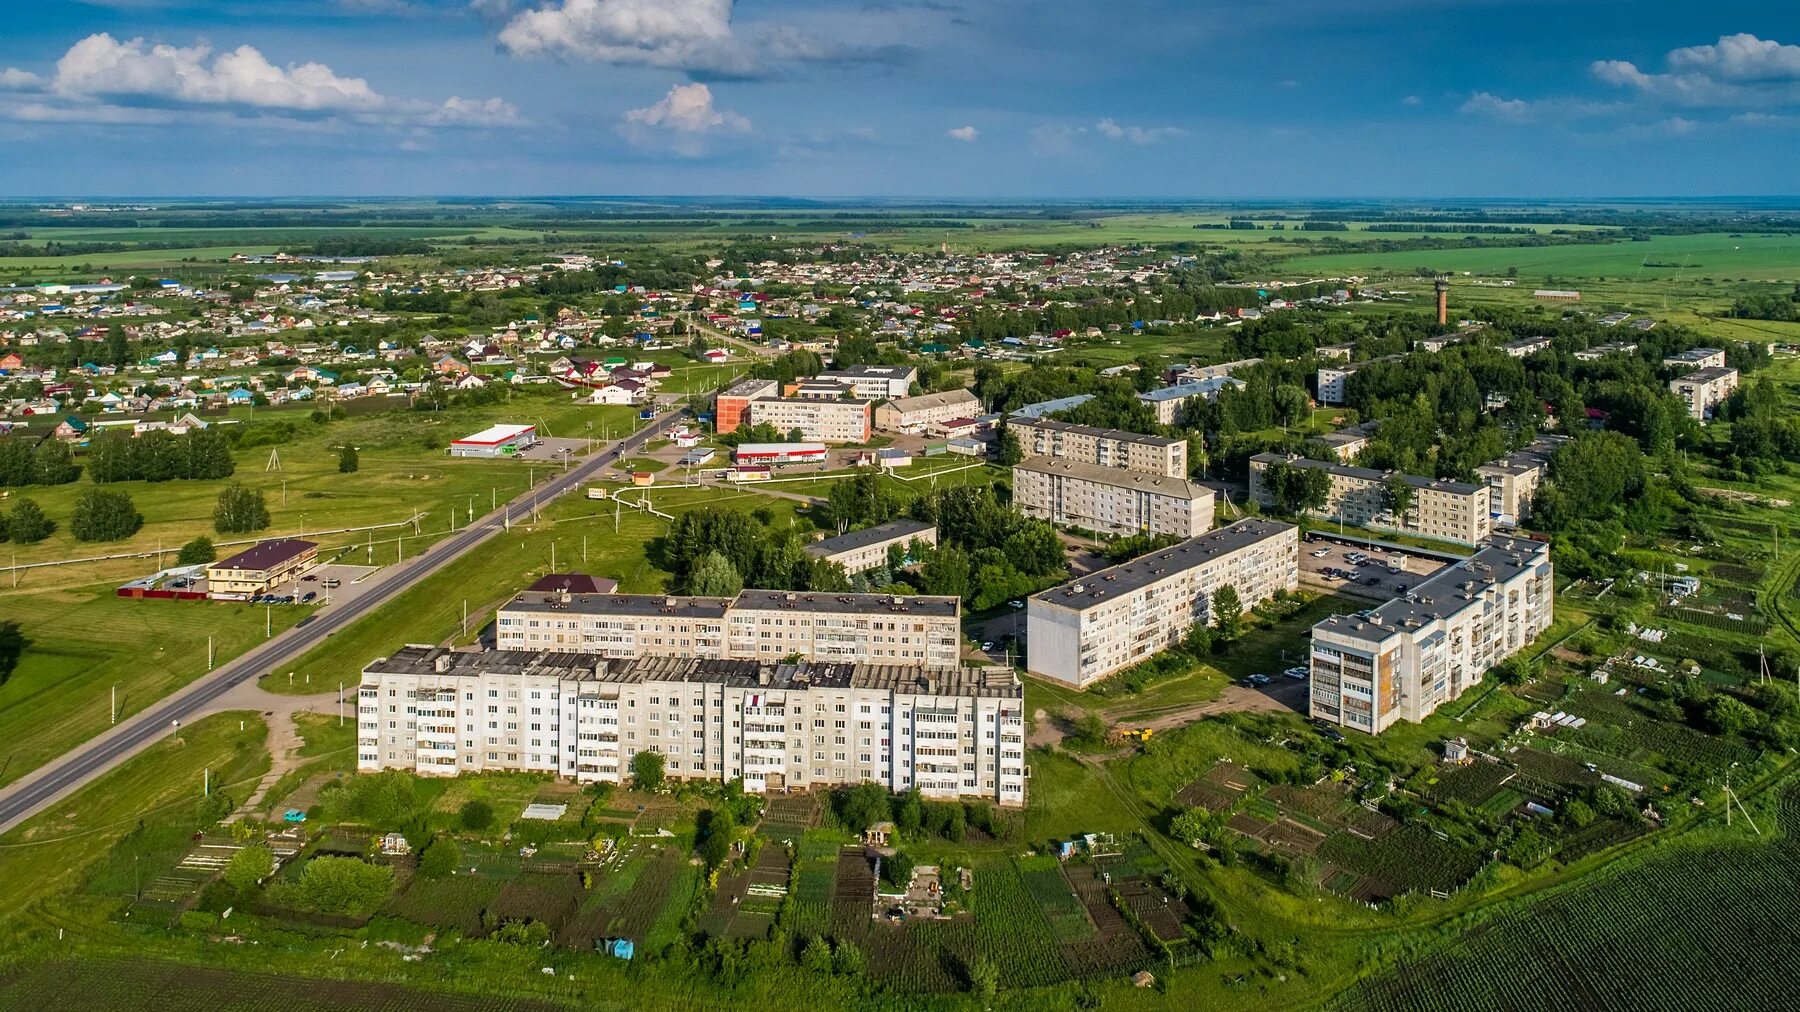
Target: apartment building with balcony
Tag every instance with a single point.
(1449, 510)
(822, 421)
(950, 732)
(1109, 500)
(1703, 390)
(1130, 451)
(1091, 627)
(1403, 660)
(755, 625)
(861, 551)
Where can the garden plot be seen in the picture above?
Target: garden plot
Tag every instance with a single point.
(1411, 858)
(1219, 788)
(816, 875)
(453, 902)
(787, 816)
(1044, 879)
(1116, 945)
(628, 901)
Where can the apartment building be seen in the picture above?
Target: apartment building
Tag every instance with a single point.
(1525, 347)
(755, 625)
(1450, 510)
(1600, 351)
(1513, 480)
(1403, 660)
(1167, 402)
(1091, 627)
(732, 407)
(874, 382)
(1704, 389)
(861, 551)
(1333, 381)
(1191, 373)
(916, 414)
(950, 732)
(1107, 500)
(1045, 437)
(1696, 358)
(823, 421)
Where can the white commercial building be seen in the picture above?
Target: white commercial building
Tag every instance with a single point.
(495, 441)
(1091, 627)
(1131, 451)
(756, 625)
(1108, 500)
(874, 382)
(950, 732)
(1403, 660)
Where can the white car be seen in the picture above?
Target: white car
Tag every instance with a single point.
(1321, 553)
(1297, 672)
(988, 646)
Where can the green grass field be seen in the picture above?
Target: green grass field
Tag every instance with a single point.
(1716, 255)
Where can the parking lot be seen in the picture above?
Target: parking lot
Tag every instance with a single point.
(553, 449)
(334, 582)
(1324, 565)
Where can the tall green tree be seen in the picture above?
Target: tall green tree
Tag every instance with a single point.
(1228, 613)
(1399, 495)
(347, 459)
(647, 770)
(104, 516)
(27, 524)
(197, 552)
(714, 576)
(240, 510)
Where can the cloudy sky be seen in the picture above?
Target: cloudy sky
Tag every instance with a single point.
(956, 98)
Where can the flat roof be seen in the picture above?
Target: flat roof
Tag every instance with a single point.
(1370, 474)
(1694, 354)
(719, 607)
(746, 387)
(1449, 590)
(938, 400)
(1116, 581)
(1193, 388)
(594, 671)
(1708, 374)
(850, 604)
(775, 449)
(876, 535)
(1054, 425)
(1115, 477)
(494, 435)
(267, 554)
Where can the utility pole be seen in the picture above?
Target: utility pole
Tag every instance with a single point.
(553, 556)
(465, 617)
(268, 621)
(340, 703)
(113, 717)
(209, 653)
(206, 782)
(584, 549)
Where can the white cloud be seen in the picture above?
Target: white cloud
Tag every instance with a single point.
(966, 134)
(1740, 70)
(1110, 128)
(1741, 57)
(1413, 101)
(691, 35)
(14, 79)
(681, 120)
(101, 66)
(100, 75)
(1486, 103)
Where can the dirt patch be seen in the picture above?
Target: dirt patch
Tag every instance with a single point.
(1045, 731)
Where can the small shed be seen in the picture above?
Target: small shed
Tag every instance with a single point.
(617, 948)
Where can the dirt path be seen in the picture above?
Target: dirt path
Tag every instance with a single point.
(1282, 694)
(284, 734)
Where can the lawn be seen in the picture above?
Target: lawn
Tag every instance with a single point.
(1714, 255)
(160, 787)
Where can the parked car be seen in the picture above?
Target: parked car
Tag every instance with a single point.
(308, 597)
(1259, 679)
(1297, 672)
(1321, 553)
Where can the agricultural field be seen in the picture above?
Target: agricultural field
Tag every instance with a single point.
(1719, 255)
(1699, 928)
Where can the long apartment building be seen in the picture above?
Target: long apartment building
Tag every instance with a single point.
(1450, 510)
(1166, 403)
(1074, 493)
(861, 551)
(918, 414)
(760, 625)
(1703, 390)
(1696, 358)
(1403, 660)
(951, 732)
(819, 420)
(1131, 451)
(1088, 628)
(874, 382)
(1333, 381)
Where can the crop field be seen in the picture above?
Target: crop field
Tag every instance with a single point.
(548, 897)
(815, 876)
(630, 901)
(142, 985)
(1116, 945)
(1043, 878)
(1409, 858)
(1220, 788)
(454, 902)
(1687, 930)
(1715, 255)
(1471, 783)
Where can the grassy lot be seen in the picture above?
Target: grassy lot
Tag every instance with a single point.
(159, 789)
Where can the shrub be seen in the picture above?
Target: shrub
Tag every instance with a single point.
(240, 510)
(27, 523)
(249, 866)
(647, 770)
(197, 552)
(439, 857)
(344, 886)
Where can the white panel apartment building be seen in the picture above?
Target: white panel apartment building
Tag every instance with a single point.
(861, 551)
(1108, 500)
(1406, 658)
(822, 421)
(1513, 480)
(761, 625)
(874, 382)
(1703, 390)
(1451, 510)
(1132, 451)
(951, 732)
(1334, 380)
(1089, 628)
(916, 414)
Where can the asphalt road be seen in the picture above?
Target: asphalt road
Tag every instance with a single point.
(38, 790)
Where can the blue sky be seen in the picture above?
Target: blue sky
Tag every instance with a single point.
(951, 98)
